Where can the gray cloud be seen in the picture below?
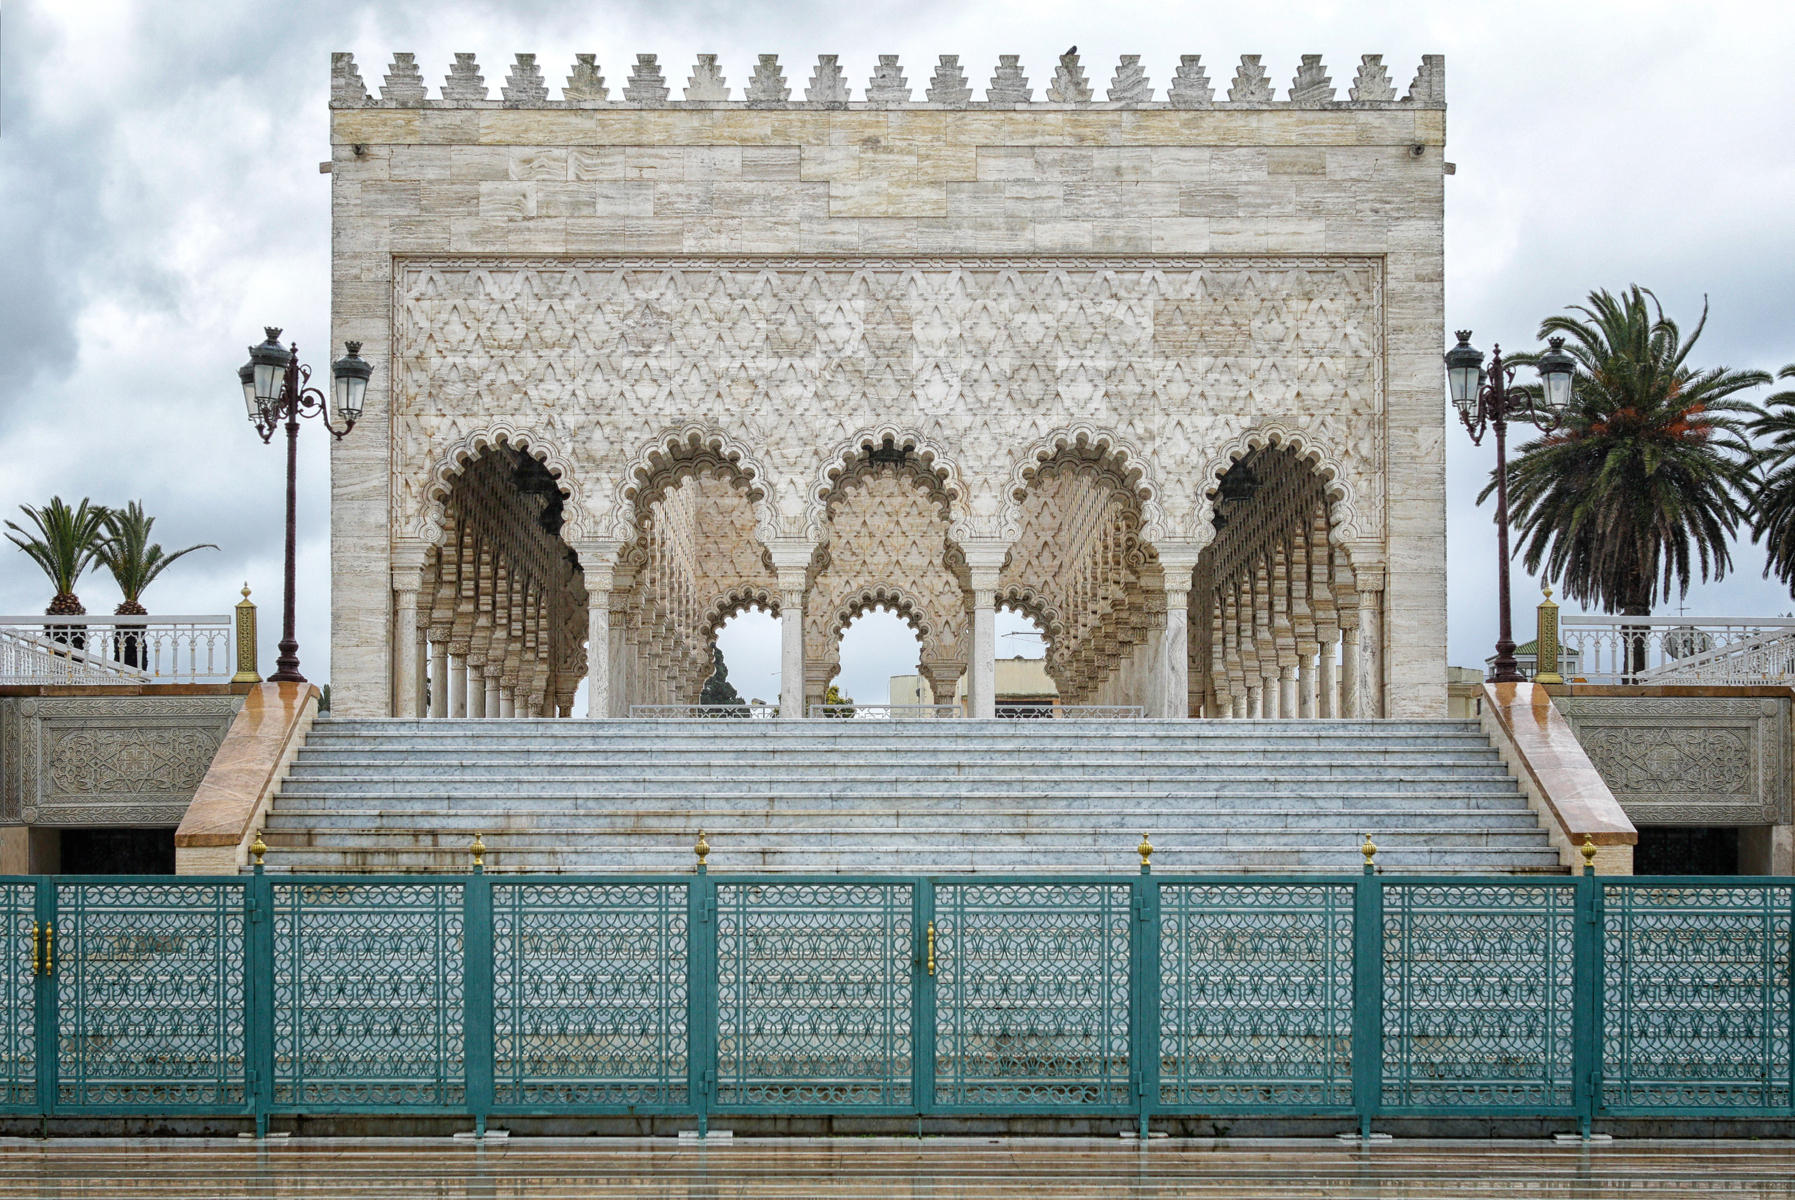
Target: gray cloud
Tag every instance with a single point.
(159, 201)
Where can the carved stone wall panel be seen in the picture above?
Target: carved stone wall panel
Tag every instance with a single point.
(108, 760)
(1689, 760)
(983, 356)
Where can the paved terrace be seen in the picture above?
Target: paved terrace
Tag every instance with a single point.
(944, 1169)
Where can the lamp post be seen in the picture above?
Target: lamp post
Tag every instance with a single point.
(275, 387)
(1486, 399)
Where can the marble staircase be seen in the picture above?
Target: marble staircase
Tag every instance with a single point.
(902, 797)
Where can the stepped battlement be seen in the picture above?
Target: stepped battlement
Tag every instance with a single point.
(647, 86)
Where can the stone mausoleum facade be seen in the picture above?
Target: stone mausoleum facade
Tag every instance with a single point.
(1157, 365)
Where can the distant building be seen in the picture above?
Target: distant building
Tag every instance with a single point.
(1023, 689)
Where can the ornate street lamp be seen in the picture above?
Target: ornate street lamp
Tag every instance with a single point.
(1487, 400)
(275, 388)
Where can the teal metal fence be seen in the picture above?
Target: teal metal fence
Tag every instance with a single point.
(1577, 999)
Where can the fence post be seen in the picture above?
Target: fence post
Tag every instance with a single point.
(701, 988)
(1586, 1002)
(1143, 989)
(258, 989)
(922, 1007)
(246, 641)
(1545, 647)
(1368, 991)
(476, 987)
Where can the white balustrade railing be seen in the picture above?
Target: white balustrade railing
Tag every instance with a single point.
(1680, 650)
(680, 712)
(884, 712)
(43, 650)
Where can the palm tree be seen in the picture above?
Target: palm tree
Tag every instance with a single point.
(1644, 478)
(66, 542)
(135, 563)
(1773, 516)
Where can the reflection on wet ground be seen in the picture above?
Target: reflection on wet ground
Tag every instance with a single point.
(935, 1169)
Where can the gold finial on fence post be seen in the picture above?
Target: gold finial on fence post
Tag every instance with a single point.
(1589, 854)
(246, 640)
(257, 849)
(702, 849)
(1369, 850)
(1145, 850)
(477, 848)
(1545, 646)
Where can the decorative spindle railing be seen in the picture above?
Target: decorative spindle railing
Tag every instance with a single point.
(113, 649)
(1680, 650)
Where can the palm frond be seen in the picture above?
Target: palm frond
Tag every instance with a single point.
(127, 552)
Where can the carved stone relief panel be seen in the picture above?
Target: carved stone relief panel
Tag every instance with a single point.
(982, 356)
(108, 760)
(1689, 760)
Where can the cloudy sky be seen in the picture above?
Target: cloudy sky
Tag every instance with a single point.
(160, 201)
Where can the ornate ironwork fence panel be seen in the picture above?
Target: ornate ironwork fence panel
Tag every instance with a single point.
(1255, 996)
(367, 994)
(589, 995)
(813, 1001)
(1032, 995)
(1696, 1007)
(149, 992)
(1559, 1000)
(21, 952)
(1478, 995)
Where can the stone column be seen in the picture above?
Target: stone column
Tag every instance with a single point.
(494, 694)
(984, 561)
(1172, 671)
(405, 635)
(943, 676)
(1287, 691)
(458, 686)
(1326, 689)
(1371, 643)
(420, 680)
(507, 702)
(439, 673)
(598, 647)
(1305, 685)
(476, 689)
(1349, 666)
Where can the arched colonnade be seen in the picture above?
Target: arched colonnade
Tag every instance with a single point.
(508, 608)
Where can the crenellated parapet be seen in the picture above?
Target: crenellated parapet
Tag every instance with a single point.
(1252, 86)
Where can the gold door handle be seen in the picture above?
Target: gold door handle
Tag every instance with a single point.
(49, 948)
(37, 948)
(931, 947)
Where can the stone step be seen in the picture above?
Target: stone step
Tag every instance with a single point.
(934, 796)
(500, 762)
(625, 842)
(846, 773)
(1169, 860)
(448, 790)
(717, 820)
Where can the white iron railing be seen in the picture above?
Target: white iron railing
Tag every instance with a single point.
(884, 712)
(42, 650)
(1076, 712)
(1673, 650)
(680, 712)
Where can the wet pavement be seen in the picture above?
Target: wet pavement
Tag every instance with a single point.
(931, 1169)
